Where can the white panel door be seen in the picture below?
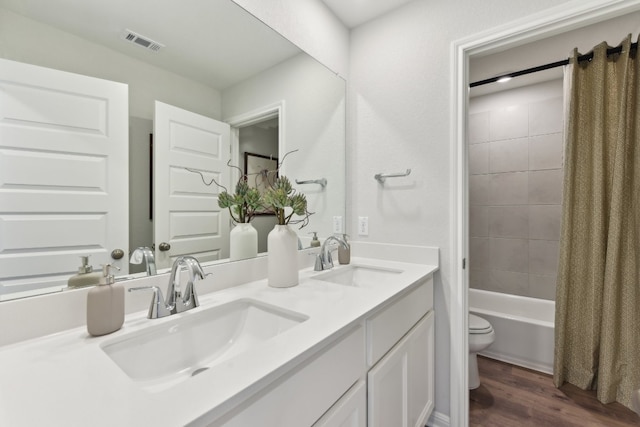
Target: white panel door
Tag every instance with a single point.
(63, 176)
(186, 212)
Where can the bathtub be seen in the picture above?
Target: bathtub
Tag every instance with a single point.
(523, 327)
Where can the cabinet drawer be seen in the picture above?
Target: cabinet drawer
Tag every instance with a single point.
(388, 326)
(302, 396)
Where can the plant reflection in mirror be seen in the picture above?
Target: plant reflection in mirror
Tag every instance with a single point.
(279, 198)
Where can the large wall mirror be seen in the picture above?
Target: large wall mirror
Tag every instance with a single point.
(206, 57)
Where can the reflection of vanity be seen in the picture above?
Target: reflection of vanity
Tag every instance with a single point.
(368, 358)
(313, 124)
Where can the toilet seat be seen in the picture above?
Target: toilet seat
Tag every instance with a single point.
(478, 325)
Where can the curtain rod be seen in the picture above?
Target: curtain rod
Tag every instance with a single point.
(585, 57)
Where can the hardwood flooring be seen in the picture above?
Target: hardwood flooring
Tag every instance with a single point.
(512, 396)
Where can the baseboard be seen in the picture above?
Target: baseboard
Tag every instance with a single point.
(540, 367)
(439, 420)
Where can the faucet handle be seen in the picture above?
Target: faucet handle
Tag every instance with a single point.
(328, 261)
(158, 307)
(318, 265)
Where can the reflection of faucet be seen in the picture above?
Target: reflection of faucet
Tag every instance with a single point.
(323, 260)
(176, 301)
(146, 254)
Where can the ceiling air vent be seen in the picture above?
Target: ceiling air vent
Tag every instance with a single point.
(142, 41)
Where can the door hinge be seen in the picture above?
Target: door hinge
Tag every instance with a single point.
(464, 263)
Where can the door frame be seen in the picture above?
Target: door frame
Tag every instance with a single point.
(531, 28)
(260, 114)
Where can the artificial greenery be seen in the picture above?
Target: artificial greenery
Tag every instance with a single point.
(285, 202)
(243, 204)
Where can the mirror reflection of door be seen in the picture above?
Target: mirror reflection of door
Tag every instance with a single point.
(63, 180)
(260, 138)
(187, 219)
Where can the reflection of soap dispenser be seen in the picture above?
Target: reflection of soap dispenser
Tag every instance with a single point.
(86, 276)
(105, 305)
(344, 255)
(315, 243)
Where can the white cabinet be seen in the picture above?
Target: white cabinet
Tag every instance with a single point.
(302, 396)
(400, 385)
(379, 373)
(349, 411)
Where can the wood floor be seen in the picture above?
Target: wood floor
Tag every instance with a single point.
(512, 396)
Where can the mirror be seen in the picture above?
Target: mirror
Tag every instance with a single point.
(214, 59)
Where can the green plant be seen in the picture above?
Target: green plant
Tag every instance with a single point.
(243, 204)
(283, 200)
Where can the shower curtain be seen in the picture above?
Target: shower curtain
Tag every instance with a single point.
(597, 342)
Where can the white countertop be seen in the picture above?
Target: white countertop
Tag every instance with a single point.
(66, 379)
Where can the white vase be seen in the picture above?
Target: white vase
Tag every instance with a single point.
(282, 257)
(243, 242)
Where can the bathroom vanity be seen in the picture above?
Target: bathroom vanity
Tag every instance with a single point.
(353, 344)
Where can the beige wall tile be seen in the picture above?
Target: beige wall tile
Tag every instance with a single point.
(479, 189)
(543, 287)
(546, 116)
(478, 221)
(544, 222)
(478, 279)
(509, 282)
(479, 159)
(478, 127)
(545, 187)
(509, 255)
(509, 221)
(543, 257)
(511, 155)
(509, 122)
(545, 151)
(508, 188)
(479, 253)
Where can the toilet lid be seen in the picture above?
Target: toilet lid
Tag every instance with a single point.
(477, 325)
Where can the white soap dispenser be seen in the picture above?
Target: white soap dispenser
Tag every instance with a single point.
(105, 305)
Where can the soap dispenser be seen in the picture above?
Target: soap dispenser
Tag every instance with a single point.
(85, 277)
(105, 305)
(315, 243)
(344, 255)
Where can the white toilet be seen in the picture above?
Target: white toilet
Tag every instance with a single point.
(481, 336)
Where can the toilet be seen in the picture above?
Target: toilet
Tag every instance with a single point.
(481, 336)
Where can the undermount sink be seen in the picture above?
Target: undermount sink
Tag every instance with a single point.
(358, 275)
(160, 356)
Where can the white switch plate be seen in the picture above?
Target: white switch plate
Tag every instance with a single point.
(363, 226)
(337, 225)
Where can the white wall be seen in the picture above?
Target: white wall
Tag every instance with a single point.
(25, 40)
(310, 25)
(314, 111)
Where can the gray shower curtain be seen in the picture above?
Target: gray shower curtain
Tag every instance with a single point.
(597, 342)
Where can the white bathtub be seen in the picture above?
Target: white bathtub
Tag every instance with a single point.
(523, 327)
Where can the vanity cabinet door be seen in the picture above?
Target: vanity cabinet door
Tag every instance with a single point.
(349, 411)
(400, 386)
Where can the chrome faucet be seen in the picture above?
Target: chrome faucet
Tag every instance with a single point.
(323, 259)
(177, 301)
(146, 254)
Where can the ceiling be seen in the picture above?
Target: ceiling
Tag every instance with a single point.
(355, 12)
(209, 41)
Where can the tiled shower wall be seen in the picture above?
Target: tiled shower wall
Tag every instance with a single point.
(515, 190)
